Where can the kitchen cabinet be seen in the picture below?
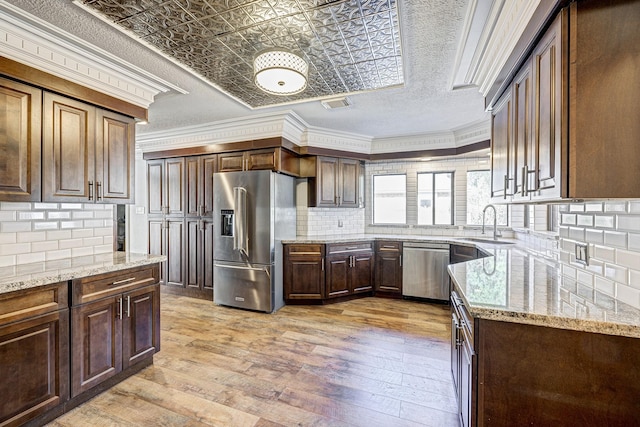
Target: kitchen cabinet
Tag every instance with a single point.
(199, 185)
(580, 107)
(34, 352)
(276, 159)
(198, 258)
(337, 183)
(463, 361)
(87, 152)
(167, 237)
(115, 324)
(304, 274)
(388, 268)
(349, 269)
(462, 253)
(166, 191)
(20, 121)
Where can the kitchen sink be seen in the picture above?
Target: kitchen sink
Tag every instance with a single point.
(489, 241)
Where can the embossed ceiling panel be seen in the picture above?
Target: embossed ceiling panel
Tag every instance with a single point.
(350, 45)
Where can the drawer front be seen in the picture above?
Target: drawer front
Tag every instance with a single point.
(388, 245)
(109, 284)
(19, 305)
(349, 247)
(304, 250)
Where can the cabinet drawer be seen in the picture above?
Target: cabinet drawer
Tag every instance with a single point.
(349, 247)
(304, 250)
(18, 305)
(387, 245)
(109, 284)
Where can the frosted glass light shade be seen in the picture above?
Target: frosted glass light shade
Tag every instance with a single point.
(280, 72)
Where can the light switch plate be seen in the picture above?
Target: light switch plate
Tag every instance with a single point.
(582, 253)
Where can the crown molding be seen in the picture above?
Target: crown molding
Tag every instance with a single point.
(336, 140)
(30, 40)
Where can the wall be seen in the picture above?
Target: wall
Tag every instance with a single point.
(37, 232)
(612, 231)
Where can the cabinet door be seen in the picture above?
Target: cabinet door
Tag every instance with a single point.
(193, 188)
(156, 242)
(361, 272)
(194, 255)
(208, 237)
(523, 155)
(349, 185)
(500, 143)
(467, 359)
(326, 182)
(20, 140)
(175, 182)
(549, 88)
(96, 343)
(303, 272)
(68, 143)
(337, 275)
(389, 272)
(140, 325)
(208, 169)
(155, 186)
(34, 366)
(175, 252)
(231, 162)
(115, 161)
(261, 159)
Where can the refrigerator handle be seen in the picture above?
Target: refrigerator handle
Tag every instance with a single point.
(240, 242)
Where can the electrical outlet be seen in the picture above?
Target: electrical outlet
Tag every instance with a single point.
(340, 224)
(582, 253)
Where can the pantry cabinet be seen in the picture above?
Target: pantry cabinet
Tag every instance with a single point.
(88, 153)
(20, 121)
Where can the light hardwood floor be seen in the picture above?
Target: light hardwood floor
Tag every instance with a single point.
(367, 362)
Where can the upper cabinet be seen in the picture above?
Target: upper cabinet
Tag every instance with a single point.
(20, 119)
(566, 127)
(276, 159)
(337, 183)
(88, 153)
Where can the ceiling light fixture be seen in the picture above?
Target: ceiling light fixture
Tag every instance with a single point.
(280, 72)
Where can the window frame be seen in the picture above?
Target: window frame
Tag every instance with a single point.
(433, 197)
(507, 216)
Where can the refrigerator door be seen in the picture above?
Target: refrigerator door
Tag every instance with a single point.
(243, 217)
(238, 285)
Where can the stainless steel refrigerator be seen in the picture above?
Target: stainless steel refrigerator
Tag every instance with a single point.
(254, 212)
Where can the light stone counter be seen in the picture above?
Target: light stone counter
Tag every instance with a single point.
(27, 276)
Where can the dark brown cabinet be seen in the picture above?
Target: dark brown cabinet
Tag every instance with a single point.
(304, 272)
(463, 360)
(337, 183)
(180, 204)
(34, 352)
(276, 159)
(88, 153)
(20, 121)
(501, 136)
(462, 253)
(349, 269)
(388, 266)
(115, 323)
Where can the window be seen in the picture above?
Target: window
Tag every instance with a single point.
(435, 198)
(389, 199)
(479, 196)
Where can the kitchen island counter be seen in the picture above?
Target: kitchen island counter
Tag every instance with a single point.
(26, 276)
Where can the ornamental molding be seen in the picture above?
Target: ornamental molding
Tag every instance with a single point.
(30, 40)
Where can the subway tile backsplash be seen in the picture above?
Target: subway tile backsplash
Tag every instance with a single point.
(37, 232)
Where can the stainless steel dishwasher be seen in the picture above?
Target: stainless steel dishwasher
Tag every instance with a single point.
(424, 270)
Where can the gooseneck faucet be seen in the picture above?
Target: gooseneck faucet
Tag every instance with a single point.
(496, 234)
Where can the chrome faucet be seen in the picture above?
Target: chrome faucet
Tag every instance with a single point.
(496, 234)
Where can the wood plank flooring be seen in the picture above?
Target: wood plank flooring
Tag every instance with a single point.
(367, 362)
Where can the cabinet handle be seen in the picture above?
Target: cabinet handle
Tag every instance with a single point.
(90, 190)
(119, 315)
(98, 190)
(506, 183)
(322, 264)
(350, 248)
(128, 305)
(525, 179)
(400, 260)
(121, 282)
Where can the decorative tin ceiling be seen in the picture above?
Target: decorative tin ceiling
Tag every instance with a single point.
(350, 45)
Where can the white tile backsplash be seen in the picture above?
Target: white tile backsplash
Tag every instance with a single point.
(37, 232)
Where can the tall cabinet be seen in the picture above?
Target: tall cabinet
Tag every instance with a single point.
(180, 222)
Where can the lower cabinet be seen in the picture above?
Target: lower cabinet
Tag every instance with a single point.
(463, 360)
(388, 268)
(304, 272)
(115, 323)
(34, 353)
(349, 269)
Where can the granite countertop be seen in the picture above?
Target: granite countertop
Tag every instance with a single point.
(347, 238)
(25, 276)
(515, 285)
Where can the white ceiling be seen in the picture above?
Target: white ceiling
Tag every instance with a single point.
(430, 31)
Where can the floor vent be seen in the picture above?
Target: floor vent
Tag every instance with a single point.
(331, 104)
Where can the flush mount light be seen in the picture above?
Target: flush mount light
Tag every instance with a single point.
(280, 72)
